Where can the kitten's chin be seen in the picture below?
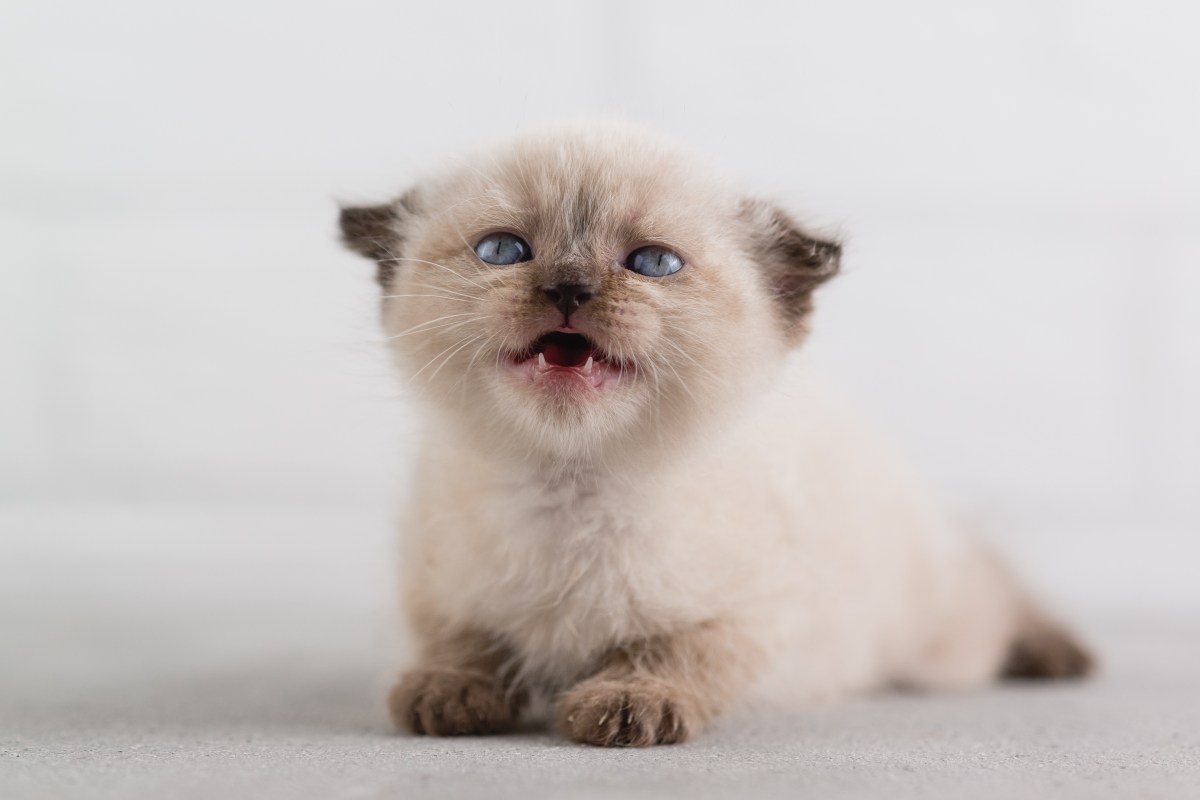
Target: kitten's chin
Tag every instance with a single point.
(561, 397)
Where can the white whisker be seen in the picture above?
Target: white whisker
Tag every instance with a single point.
(421, 325)
(446, 360)
(439, 296)
(435, 288)
(455, 273)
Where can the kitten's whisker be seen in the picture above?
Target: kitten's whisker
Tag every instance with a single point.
(446, 360)
(439, 296)
(444, 327)
(690, 358)
(430, 362)
(435, 288)
(461, 384)
(420, 325)
(455, 273)
(683, 384)
(478, 351)
(657, 380)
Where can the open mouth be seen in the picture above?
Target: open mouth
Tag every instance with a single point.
(567, 356)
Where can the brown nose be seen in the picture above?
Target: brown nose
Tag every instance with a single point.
(567, 297)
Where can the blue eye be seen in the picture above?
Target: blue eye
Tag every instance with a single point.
(653, 262)
(502, 249)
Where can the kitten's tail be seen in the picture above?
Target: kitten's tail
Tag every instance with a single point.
(1043, 649)
(1040, 647)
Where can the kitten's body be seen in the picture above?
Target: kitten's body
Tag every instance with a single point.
(808, 554)
(704, 522)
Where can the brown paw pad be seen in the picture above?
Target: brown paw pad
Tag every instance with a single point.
(452, 702)
(625, 714)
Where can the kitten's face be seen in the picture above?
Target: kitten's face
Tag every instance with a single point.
(586, 294)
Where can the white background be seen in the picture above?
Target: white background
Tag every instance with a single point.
(1017, 182)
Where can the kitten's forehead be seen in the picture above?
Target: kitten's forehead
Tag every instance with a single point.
(572, 186)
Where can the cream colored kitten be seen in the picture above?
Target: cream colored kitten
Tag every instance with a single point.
(631, 495)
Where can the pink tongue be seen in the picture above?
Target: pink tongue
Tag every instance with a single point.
(561, 356)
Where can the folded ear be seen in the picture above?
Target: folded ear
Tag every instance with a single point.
(377, 232)
(794, 262)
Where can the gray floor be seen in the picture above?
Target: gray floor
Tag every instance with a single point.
(130, 669)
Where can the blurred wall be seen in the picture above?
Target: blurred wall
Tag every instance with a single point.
(1018, 184)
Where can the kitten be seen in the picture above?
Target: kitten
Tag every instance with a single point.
(630, 497)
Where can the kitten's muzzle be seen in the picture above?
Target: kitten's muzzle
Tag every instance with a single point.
(569, 297)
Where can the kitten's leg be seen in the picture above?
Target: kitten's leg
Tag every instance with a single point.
(661, 690)
(458, 687)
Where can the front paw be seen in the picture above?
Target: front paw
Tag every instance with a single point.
(629, 713)
(452, 702)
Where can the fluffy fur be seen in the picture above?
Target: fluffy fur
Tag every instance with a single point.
(704, 522)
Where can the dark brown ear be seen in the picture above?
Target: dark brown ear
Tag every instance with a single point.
(377, 232)
(794, 261)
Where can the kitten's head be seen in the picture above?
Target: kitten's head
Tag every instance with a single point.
(588, 293)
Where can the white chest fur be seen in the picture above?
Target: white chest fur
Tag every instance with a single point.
(562, 569)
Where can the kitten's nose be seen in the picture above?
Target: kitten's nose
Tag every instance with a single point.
(567, 297)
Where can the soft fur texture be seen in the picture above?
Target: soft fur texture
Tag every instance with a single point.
(696, 523)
